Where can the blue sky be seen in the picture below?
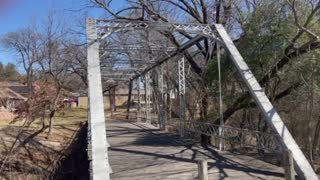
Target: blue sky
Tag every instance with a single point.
(15, 14)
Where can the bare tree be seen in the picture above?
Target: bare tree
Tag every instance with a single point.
(53, 63)
(26, 44)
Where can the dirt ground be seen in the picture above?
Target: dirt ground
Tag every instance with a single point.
(36, 156)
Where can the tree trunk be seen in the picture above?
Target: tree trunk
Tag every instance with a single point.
(52, 111)
(129, 99)
(29, 80)
(205, 105)
(157, 101)
(51, 122)
(310, 106)
(112, 99)
(43, 118)
(110, 102)
(262, 127)
(316, 137)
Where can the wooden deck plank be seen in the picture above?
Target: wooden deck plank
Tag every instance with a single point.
(139, 151)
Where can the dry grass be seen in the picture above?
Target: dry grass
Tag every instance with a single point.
(73, 114)
(63, 116)
(6, 122)
(38, 157)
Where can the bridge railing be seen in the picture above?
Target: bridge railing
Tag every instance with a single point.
(238, 137)
(234, 137)
(142, 117)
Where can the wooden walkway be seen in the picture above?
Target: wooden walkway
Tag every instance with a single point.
(139, 151)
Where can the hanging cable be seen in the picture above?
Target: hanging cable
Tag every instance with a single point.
(221, 129)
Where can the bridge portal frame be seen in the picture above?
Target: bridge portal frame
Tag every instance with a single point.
(98, 30)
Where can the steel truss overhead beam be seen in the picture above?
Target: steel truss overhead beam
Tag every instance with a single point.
(129, 61)
(120, 74)
(182, 48)
(140, 48)
(117, 79)
(106, 26)
(121, 69)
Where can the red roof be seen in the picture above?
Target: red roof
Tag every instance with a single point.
(8, 93)
(10, 83)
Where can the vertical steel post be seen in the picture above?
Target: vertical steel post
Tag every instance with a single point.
(221, 127)
(139, 100)
(112, 97)
(161, 85)
(203, 170)
(162, 111)
(182, 91)
(148, 97)
(288, 165)
(99, 144)
(129, 98)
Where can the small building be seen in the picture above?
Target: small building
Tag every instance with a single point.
(17, 87)
(121, 97)
(9, 99)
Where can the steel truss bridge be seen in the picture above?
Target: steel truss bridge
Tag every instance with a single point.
(100, 68)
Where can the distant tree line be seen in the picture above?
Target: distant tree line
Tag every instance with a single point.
(9, 72)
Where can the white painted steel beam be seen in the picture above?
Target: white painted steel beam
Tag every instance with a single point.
(182, 91)
(99, 146)
(137, 47)
(303, 167)
(162, 111)
(221, 127)
(116, 79)
(148, 97)
(138, 80)
(106, 26)
(118, 74)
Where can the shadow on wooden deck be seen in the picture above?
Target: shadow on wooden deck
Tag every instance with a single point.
(152, 144)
